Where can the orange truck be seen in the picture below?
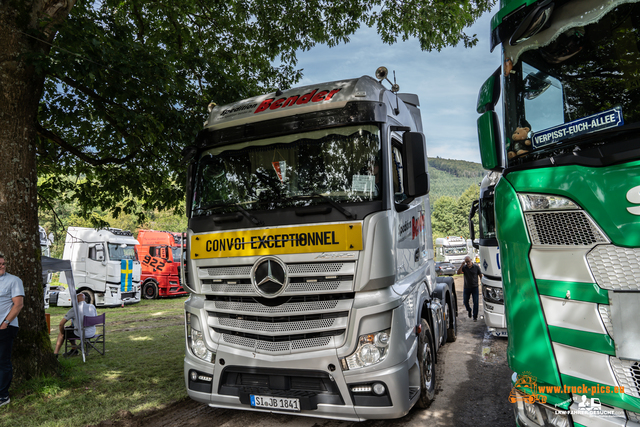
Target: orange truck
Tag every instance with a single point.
(159, 255)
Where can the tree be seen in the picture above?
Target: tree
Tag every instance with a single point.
(450, 217)
(123, 88)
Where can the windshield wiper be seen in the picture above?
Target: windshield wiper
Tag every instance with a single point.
(240, 209)
(339, 208)
(325, 199)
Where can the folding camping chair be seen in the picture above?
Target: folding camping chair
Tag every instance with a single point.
(99, 338)
(95, 341)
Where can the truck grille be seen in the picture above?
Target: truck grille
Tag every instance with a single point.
(605, 314)
(615, 268)
(325, 277)
(627, 373)
(563, 229)
(311, 313)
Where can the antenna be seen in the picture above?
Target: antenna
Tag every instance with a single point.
(381, 74)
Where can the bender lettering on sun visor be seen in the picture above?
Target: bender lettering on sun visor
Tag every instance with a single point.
(277, 241)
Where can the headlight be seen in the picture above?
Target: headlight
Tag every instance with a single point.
(539, 415)
(543, 202)
(195, 340)
(492, 294)
(372, 349)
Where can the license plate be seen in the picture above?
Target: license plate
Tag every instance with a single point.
(275, 402)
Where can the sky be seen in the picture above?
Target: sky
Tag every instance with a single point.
(446, 82)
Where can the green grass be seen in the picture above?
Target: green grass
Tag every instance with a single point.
(142, 369)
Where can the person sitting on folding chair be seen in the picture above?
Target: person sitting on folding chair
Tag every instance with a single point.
(73, 333)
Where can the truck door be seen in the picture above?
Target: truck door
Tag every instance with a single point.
(410, 222)
(96, 267)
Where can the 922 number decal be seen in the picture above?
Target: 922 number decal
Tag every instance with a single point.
(154, 262)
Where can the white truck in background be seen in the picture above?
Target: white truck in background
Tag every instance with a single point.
(104, 266)
(487, 245)
(452, 249)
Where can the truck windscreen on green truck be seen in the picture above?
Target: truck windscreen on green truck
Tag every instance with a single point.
(340, 164)
(580, 82)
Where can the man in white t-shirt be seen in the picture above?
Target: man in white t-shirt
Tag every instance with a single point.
(84, 309)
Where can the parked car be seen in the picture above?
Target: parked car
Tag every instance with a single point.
(444, 268)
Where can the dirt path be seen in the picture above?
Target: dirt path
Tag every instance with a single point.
(473, 386)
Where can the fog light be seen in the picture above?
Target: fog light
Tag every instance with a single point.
(193, 375)
(379, 389)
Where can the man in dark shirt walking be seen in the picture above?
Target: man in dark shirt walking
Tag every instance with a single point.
(472, 275)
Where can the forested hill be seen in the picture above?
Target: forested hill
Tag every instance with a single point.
(452, 177)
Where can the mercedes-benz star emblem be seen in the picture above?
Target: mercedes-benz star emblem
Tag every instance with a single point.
(269, 277)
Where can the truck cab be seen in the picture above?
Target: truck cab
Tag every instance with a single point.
(104, 264)
(489, 253)
(452, 249)
(159, 254)
(310, 258)
(565, 141)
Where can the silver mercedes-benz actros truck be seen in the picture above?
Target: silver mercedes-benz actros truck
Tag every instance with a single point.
(309, 255)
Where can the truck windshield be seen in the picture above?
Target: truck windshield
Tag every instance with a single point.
(342, 164)
(118, 251)
(175, 251)
(461, 250)
(586, 79)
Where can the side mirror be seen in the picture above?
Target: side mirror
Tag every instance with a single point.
(414, 172)
(489, 93)
(491, 149)
(472, 229)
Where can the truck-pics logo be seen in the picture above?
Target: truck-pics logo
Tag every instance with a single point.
(527, 382)
(313, 96)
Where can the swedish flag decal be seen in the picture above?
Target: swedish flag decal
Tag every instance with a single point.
(126, 275)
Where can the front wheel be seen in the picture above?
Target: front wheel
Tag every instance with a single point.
(427, 362)
(150, 290)
(89, 296)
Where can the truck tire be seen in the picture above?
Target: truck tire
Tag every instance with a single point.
(150, 290)
(427, 362)
(452, 321)
(89, 296)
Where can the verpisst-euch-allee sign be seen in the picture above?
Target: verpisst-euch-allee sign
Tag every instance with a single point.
(601, 121)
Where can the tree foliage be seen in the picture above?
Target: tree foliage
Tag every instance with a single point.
(450, 216)
(102, 96)
(452, 177)
(128, 82)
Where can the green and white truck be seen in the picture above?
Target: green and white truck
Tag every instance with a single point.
(567, 206)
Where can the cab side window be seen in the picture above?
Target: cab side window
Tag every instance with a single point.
(398, 187)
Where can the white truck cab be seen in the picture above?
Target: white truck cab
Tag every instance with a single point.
(452, 249)
(104, 266)
(487, 245)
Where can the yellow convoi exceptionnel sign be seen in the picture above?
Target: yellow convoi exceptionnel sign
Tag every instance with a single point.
(278, 241)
